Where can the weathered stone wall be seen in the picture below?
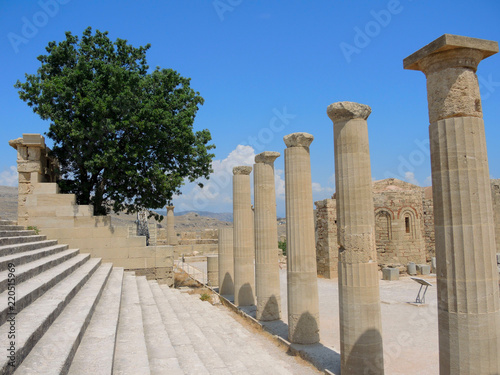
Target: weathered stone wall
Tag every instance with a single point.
(394, 200)
(430, 246)
(399, 222)
(327, 254)
(59, 217)
(34, 165)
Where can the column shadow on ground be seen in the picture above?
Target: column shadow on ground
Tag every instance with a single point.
(321, 356)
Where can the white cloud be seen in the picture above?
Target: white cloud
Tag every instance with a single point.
(216, 194)
(317, 188)
(428, 181)
(410, 177)
(9, 177)
(279, 183)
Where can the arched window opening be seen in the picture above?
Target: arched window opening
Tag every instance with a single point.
(383, 226)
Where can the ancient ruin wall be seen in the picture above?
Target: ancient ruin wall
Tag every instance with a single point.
(428, 207)
(399, 222)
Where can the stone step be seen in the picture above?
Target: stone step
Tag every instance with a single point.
(210, 358)
(7, 222)
(217, 334)
(33, 288)
(29, 270)
(161, 353)
(238, 342)
(235, 339)
(97, 349)
(12, 227)
(4, 241)
(36, 318)
(31, 253)
(131, 355)
(26, 246)
(189, 360)
(16, 233)
(53, 353)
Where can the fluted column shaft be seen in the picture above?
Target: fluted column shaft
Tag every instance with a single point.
(361, 346)
(171, 236)
(244, 252)
(267, 278)
(467, 278)
(213, 270)
(302, 288)
(226, 261)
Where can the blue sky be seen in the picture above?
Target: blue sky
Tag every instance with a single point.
(267, 69)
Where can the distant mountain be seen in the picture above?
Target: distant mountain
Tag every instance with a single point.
(224, 216)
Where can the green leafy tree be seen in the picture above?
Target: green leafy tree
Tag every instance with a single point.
(124, 137)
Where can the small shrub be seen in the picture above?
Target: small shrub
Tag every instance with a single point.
(37, 231)
(282, 246)
(205, 297)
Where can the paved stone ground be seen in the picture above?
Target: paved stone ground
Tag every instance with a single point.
(410, 332)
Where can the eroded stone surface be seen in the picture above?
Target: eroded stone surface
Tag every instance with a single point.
(469, 317)
(450, 63)
(359, 301)
(302, 288)
(447, 42)
(267, 283)
(298, 139)
(242, 170)
(267, 157)
(344, 111)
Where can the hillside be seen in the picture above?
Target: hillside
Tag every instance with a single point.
(186, 222)
(222, 216)
(8, 202)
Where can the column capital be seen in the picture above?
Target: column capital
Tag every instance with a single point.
(298, 140)
(170, 208)
(450, 51)
(345, 111)
(242, 169)
(267, 157)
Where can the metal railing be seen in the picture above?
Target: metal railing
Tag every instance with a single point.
(192, 271)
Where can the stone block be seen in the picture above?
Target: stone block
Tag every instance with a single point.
(32, 139)
(29, 166)
(390, 274)
(25, 188)
(46, 188)
(411, 268)
(423, 269)
(24, 177)
(73, 211)
(56, 200)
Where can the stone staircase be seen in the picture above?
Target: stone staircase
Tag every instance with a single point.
(76, 315)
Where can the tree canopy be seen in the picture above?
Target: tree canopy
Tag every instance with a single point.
(124, 137)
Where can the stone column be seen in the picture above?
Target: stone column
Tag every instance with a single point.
(171, 237)
(226, 262)
(361, 347)
(213, 270)
(302, 284)
(244, 252)
(467, 278)
(267, 278)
